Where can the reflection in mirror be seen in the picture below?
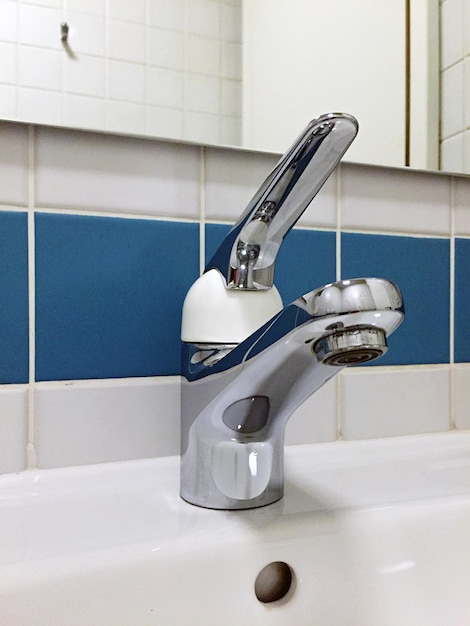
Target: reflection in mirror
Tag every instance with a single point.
(173, 69)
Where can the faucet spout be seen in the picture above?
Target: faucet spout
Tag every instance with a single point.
(247, 256)
(247, 361)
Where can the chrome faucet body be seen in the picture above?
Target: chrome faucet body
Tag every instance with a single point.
(247, 362)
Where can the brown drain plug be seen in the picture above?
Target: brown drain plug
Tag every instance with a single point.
(273, 582)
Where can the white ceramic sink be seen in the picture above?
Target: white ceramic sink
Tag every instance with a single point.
(376, 533)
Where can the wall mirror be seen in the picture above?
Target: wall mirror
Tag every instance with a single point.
(247, 73)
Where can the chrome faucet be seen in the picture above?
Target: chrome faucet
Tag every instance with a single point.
(247, 362)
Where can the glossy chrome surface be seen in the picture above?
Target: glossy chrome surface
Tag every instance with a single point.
(234, 408)
(247, 255)
(236, 399)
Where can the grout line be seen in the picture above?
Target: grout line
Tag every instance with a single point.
(202, 209)
(452, 305)
(31, 451)
(116, 214)
(338, 222)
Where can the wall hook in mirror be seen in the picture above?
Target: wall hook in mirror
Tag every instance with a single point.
(64, 32)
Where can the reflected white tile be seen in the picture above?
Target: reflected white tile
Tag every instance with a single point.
(462, 396)
(202, 18)
(14, 164)
(86, 33)
(107, 172)
(166, 13)
(31, 64)
(165, 87)
(85, 75)
(39, 26)
(164, 122)
(387, 402)
(315, 421)
(202, 55)
(128, 11)
(94, 7)
(231, 60)
(8, 65)
(125, 117)
(231, 23)
(83, 112)
(232, 178)
(8, 102)
(202, 93)
(39, 105)
(165, 48)
(126, 41)
(126, 81)
(451, 32)
(101, 421)
(201, 127)
(399, 201)
(13, 428)
(321, 212)
(231, 131)
(231, 98)
(452, 101)
(9, 21)
(452, 153)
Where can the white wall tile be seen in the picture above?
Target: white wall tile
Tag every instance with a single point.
(466, 91)
(462, 206)
(106, 421)
(125, 117)
(14, 164)
(316, 420)
(39, 26)
(387, 402)
(8, 73)
(452, 153)
(230, 131)
(202, 55)
(462, 395)
(39, 105)
(321, 212)
(452, 99)
(7, 102)
(13, 428)
(164, 122)
(166, 13)
(202, 93)
(231, 98)
(201, 127)
(54, 4)
(126, 41)
(232, 178)
(387, 200)
(126, 81)
(94, 7)
(83, 111)
(133, 11)
(466, 153)
(231, 55)
(86, 34)
(202, 18)
(40, 68)
(166, 48)
(466, 26)
(116, 173)
(231, 23)
(451, 32)
(165, 88)
(85, 75)
(9, 22)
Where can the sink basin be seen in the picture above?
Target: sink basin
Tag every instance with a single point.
(371, 533)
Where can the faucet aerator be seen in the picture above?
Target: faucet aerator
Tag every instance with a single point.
(351, 346)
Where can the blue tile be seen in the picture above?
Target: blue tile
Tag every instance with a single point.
(421, 269)
(306, 260)
(14, 350)
(462, 301)
(109, 293)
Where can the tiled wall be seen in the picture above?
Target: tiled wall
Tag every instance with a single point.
(101, 236)
(455, 85)
(170, 68)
